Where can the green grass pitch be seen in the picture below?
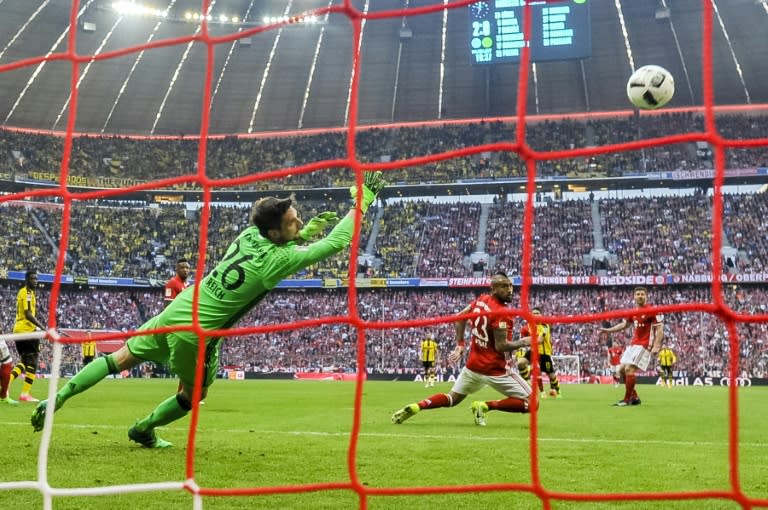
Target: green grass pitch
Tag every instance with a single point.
(279, 433)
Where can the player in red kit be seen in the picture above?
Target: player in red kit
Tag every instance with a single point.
(490, 339)
(646, 343)
(175, 285)
(614, 361)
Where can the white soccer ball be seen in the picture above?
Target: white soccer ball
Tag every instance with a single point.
(650, 87)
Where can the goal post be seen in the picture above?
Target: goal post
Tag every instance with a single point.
(568, 368)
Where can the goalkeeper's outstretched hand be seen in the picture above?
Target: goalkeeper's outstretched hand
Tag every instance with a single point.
(318, 224)
(373, 183)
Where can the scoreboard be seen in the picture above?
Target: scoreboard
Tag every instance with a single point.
(560, 30)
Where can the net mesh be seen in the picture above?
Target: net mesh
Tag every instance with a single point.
(356, 18)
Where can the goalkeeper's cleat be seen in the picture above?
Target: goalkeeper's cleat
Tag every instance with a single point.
(38, 415)
(479, 408)
(8, 400)
(635, 402)
(26, 397)
(543, 395)
(147, 439)
(621, 403)
(405, 413)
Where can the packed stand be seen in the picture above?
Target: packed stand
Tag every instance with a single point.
(115, 159)
(659, 235)
(745, 222)
(700, 340)
(562, 236)
(22, 243)
(427, 239)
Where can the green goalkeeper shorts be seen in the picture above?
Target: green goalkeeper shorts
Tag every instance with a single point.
(178, 350)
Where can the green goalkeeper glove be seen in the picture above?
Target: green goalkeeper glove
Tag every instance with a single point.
(373, 182)
(316, 225)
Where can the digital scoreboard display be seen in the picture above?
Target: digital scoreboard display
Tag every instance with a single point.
(560, 30)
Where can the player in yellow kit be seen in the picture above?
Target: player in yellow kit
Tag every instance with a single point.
(544, 334)
(667, 359)
(429, 357)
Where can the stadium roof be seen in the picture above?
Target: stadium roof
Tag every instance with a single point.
(298, 75)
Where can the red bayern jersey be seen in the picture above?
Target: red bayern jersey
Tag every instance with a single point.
(644, 323)
(483, 356)
(173, 288)
(614, 354)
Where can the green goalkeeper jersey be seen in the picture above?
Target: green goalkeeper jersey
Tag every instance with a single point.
(252, 266)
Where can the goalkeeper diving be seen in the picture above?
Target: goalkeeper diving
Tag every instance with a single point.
(276, 245)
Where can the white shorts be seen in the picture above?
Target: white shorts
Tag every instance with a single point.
(638, 356)
(509, 385)
(616, 368)
(5, 353)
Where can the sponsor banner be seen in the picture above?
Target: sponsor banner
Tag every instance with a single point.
(631, 280)
(559, 280)
(725, 278)
(723, 382)
(327, 376)
(402, 282)
(35, 177)
(433, 282)
(301, 284)
(41, 277)
(116, 282)
(473, 282)
(684, 175)
(482, 281)
(743, 382)
(234, 375)
(365, 283)
(33, 205)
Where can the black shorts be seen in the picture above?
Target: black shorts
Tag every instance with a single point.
(545, 362)
(666, 368)
(27, 347)
(428, 364)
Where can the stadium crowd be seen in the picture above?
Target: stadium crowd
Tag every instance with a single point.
(642, 235)
(700, 340)
(23, 154)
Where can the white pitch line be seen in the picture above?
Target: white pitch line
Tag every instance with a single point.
(439, 437)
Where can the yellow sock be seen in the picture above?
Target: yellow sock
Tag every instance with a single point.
(28, 380)
(17, 371)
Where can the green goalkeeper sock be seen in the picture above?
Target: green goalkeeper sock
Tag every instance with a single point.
(91, 374)
(168, 411)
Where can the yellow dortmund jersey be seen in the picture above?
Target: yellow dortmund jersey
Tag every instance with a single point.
(545, 338)
(25, 300)
(428, 350)
(89, 348)
(667, 357)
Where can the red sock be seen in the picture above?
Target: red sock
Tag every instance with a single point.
(629, 385)
(541, 384)
(5, 379)
(509, 405)
(435, 401)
